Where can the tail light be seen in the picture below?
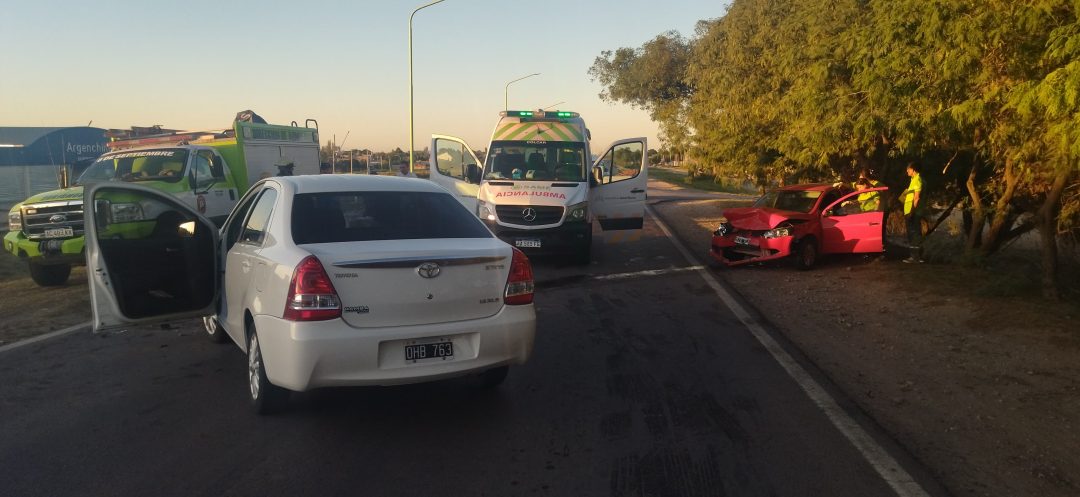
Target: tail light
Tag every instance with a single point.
(311, 294)
(519, 285)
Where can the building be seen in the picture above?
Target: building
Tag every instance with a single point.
(33, 159)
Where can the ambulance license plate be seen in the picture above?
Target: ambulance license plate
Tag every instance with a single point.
(527, 243)
(59, 233)
(742, 240)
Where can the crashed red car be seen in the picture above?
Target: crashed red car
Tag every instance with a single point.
(806, 221)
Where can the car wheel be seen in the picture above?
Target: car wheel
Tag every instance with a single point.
(806, 255)
(214, 330)
(493, 377)
(266, 397)
(50, 274)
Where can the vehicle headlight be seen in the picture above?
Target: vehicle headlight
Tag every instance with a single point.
(577, 212)
(126, 213)
(484, 211)
(15, 220)
(723, 227)
(778, 232)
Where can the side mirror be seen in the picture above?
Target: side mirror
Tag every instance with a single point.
(102, 209)
(598, 174)
(472, 174)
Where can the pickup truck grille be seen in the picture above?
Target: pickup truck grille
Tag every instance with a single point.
(39, 218)
(515, 214)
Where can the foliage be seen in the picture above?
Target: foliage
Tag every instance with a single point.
(985, 94)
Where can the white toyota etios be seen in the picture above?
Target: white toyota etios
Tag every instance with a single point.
(322, 280)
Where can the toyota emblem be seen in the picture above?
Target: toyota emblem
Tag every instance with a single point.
(428, 270)
(529, 214)
(57, 218)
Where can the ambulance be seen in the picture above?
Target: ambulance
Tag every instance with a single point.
(538, 188)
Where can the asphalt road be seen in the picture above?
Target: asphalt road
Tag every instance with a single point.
(642, 384)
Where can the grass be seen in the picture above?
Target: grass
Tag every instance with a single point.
(699, 183)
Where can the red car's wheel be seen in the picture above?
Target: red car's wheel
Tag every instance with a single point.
(806, 254)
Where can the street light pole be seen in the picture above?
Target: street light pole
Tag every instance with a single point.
(506, 90)
(411, 129)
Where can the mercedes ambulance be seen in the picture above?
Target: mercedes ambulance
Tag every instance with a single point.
(537, 188)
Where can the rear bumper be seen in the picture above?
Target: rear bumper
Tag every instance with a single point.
(760, 249)
(301, 356)
(567, 237)
(56, 251)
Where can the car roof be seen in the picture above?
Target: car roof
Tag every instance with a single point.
(820, 187)
(320, 183)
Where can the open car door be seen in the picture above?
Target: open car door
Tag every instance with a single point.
(150, 258)
(455, 167)
(619, 180)
(854, 224)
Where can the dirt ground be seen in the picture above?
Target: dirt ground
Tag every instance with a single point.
(30, 310)
(977, 379)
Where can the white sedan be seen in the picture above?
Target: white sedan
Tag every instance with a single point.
(322, 280)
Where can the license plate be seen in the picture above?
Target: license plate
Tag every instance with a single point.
(742, 240)
(59, 233)
(441, 349)
(527, 243)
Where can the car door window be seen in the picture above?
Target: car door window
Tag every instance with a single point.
(622, 162)
(204, 175)
(255, 228)
(449, 158)
(232, 228)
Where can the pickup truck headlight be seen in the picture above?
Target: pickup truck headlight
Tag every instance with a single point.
(484, 211)
(577, 212)
(15, 221)
(126, 213)
(778, 232)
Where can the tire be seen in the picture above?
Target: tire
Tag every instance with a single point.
(266, 397)
(806, 254)
(214, 330)
(51, 274)
(583, 256)
(492, 377)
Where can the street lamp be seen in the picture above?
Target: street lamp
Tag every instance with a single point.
(506, 90)
(411, 130)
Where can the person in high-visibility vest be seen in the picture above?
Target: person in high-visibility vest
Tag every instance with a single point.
(868, 201)
(912, 213)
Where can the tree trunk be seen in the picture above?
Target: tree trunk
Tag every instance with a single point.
(978, 216)
(1047, 219)
(1003, 215)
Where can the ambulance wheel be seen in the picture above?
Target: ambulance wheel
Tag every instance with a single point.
(50, 274)
(584, 252)
(214, 330)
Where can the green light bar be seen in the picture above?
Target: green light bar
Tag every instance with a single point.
(538, 114)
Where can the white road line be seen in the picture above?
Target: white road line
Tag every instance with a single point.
(889, 469)
(39, 338)
(647, 272)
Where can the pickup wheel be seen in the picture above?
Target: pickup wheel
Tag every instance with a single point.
(806, 254)
(214, 330)
(266, 397)
(50, 274)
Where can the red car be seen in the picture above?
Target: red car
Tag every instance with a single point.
(806, 221)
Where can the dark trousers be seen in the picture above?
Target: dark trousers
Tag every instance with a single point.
(914, 235)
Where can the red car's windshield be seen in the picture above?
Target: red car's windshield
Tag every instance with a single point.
(787, 200)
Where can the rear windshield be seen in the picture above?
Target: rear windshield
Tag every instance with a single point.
(789, 200)
(365, 216)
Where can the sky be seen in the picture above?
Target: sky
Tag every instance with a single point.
(194, 64)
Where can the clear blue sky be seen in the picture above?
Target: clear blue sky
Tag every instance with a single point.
(194, 64)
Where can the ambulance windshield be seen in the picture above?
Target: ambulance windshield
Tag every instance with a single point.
(536, 160)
